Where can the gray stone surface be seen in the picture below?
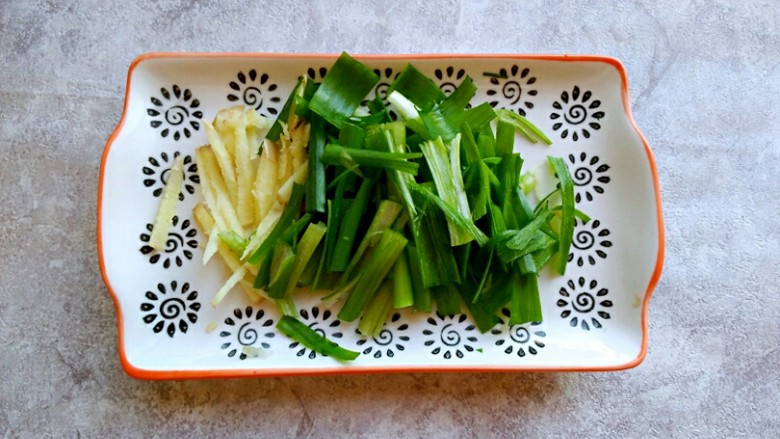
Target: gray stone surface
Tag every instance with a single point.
(705, 90)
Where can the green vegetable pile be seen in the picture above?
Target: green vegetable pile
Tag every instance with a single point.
(425, 212)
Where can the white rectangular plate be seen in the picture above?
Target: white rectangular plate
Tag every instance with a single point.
(594, 316)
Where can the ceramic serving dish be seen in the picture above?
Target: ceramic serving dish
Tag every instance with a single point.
(595, 317)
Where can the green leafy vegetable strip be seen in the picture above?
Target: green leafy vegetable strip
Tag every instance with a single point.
(351, 135)
(339, 155)
(306, 336)
(376, 311)
(394, 141)
(381, 261)
(385, 216)
(525, 305)
(315, 182)
(339, 260)
(264, 272)
(234, 241)
(523, 126)
(435, 258)
(282, 265)
(422, 295)
(445, 169)
(287, 218)
(420, 89)
(276, 128)
(505, 138)
(452, 214)
(447, 299)
(496, 75)
(342, 90)
(567, 211)
(336, 209)
(486, 141)
(286, 306)
(305, 250)
(289, 236)
(403, 291)
(409, 113)
(469, 144)
(484, 317)
(513, 244)
(483, 280)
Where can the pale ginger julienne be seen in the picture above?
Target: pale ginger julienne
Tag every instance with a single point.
(245, 192)
(167, 207)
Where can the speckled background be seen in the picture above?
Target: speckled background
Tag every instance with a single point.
(705, 90)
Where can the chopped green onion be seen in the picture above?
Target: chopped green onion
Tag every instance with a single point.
(339, 260)
(445, 169)
(234, 241)
(342, 90)
(287, 218)
(453, 215)
(403, 291)
(525, 306)
(423, 92)
(304, 251)
(315, 182)
(376, 311)
(435, 258)
(351, 135)
(524, 126)
(505, 138)
(567, 211)
(384, 218)
(276, 128)
(291, 234)
(286, 306)
(422, 295)
(282, 266)
(484, 317)
(306, 336)
(339, 155)
(447, 299)
(376, 268)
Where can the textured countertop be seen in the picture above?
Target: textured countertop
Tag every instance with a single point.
(705, 90)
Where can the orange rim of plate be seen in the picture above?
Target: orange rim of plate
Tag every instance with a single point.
(237, 373)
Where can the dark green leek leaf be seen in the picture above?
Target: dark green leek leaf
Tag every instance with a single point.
(306, 336)
(342, 90)
(418, 88)
(567, 211)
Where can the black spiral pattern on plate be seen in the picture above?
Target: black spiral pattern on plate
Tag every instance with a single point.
(589, 174)
(170, 309)
(521, 340)
(585, 302)
(256, 91)
(246, 327)
(590, 243)
(517, 88)
(576, 114)
(175, 112)
(444, 336)
(317, 74)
